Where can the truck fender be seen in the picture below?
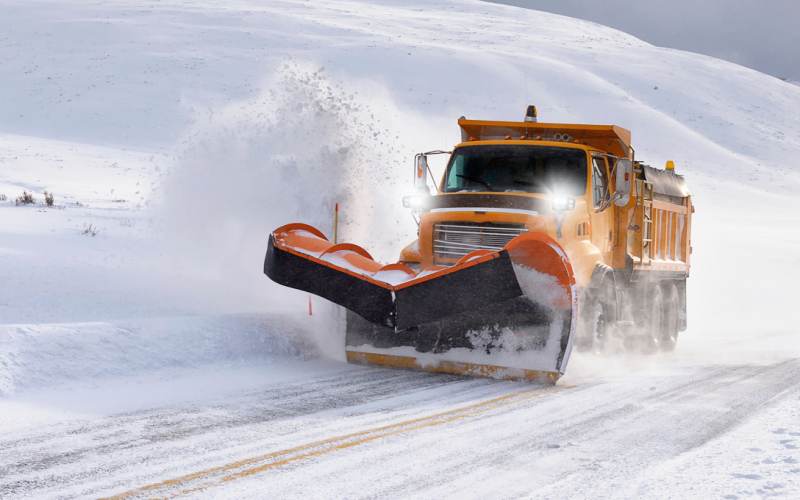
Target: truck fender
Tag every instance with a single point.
(584, 257)
(411, 254)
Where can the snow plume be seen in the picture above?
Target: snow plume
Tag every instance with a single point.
(286, 155)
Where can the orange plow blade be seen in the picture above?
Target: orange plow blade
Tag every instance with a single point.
(507, 314)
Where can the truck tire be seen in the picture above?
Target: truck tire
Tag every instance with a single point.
(653, 320)
(669, 334)
(597, 317)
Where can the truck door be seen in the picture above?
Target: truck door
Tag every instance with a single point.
(601, 211)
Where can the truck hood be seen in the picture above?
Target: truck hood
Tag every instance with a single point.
(490, 202)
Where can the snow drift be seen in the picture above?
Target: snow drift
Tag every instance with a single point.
(36, 356)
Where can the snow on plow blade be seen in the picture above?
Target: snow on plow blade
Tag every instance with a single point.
(508, 314)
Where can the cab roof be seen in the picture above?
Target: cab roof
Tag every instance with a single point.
(611, 138)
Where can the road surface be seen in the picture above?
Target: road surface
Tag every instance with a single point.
(362, 432)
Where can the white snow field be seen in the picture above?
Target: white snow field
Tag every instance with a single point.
(144, 353)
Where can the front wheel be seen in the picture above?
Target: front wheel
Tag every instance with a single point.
(597, 317)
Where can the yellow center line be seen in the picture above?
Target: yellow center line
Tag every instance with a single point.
(249, 466)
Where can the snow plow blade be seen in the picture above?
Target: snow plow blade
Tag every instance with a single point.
(508, 314)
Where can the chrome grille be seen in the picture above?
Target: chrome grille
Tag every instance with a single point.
(452, 240)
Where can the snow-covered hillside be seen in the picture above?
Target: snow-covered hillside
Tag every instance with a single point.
(176, 134)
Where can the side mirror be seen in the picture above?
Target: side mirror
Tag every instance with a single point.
(624, 178)
(421, 173)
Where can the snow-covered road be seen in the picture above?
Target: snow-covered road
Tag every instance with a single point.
(360, 432)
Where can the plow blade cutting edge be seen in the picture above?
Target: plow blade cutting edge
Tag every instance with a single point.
(508, 314)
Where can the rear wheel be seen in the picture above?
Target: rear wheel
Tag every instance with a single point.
(653, 325)
(669, 334)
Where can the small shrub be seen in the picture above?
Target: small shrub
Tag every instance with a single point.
(3, 197)
(48, 199)
(89, 230)
(25, 198)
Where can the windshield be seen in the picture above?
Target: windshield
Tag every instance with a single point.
(508, 168)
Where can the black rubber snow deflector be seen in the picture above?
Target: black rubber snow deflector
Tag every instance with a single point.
(372, 302)
(463, 290)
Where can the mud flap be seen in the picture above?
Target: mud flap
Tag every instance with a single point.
(506, 314)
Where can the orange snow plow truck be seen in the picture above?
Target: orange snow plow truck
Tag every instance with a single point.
(538, 237)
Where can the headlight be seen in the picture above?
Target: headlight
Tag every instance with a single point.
(562, 203)
(414, 202)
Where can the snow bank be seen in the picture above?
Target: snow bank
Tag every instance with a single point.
(40, 356)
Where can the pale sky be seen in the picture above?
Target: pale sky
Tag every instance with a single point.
(760, 34)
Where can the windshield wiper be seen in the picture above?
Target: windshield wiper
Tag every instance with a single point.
(475, 179)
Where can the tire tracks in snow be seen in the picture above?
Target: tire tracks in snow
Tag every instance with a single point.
(610, 440)
(239, 469)
(90, 452)
(604, 433)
